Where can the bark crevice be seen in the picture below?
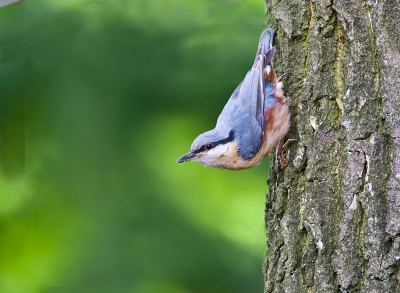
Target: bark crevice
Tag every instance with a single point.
(335, 211)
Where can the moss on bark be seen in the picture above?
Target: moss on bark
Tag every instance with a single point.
(333, 216)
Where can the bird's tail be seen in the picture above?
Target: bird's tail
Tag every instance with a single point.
(265, 47)
(266, 38)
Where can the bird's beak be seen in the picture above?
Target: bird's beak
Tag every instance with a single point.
(185, 158)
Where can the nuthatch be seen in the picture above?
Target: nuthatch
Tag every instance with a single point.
(255, 119)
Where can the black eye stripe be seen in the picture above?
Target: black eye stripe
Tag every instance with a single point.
(211, 145)
(230, 138)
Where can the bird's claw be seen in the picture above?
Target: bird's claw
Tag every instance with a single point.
(282, 147)
(280, 78)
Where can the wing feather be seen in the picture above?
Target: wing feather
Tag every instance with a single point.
(244, 112)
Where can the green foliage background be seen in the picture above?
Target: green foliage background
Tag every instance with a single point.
(97, 101)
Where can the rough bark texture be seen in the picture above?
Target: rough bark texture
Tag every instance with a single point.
(333, 216)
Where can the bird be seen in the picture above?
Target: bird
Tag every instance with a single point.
(255, 119)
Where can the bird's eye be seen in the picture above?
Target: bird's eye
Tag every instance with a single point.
(208, 146)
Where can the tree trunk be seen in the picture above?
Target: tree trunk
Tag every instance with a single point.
(333, 216)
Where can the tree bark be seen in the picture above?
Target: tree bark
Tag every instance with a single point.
(333, 216)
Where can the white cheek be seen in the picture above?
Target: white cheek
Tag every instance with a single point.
(211, 157)
(218, 151)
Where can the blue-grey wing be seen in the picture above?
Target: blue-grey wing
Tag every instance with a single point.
(244, 113)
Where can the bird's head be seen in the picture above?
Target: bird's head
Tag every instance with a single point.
(211, 148)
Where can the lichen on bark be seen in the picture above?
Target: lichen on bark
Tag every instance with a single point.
(333, 216)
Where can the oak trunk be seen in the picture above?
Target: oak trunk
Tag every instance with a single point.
(333, 216)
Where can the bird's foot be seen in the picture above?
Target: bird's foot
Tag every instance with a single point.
(280, 78)
(282, 147)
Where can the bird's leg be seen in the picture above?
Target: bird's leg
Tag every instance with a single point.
(279, 81)
(282, 147)
(280, 78)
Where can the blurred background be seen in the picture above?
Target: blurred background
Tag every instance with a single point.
(97, 101)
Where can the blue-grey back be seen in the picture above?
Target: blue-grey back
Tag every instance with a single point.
(244, 112)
